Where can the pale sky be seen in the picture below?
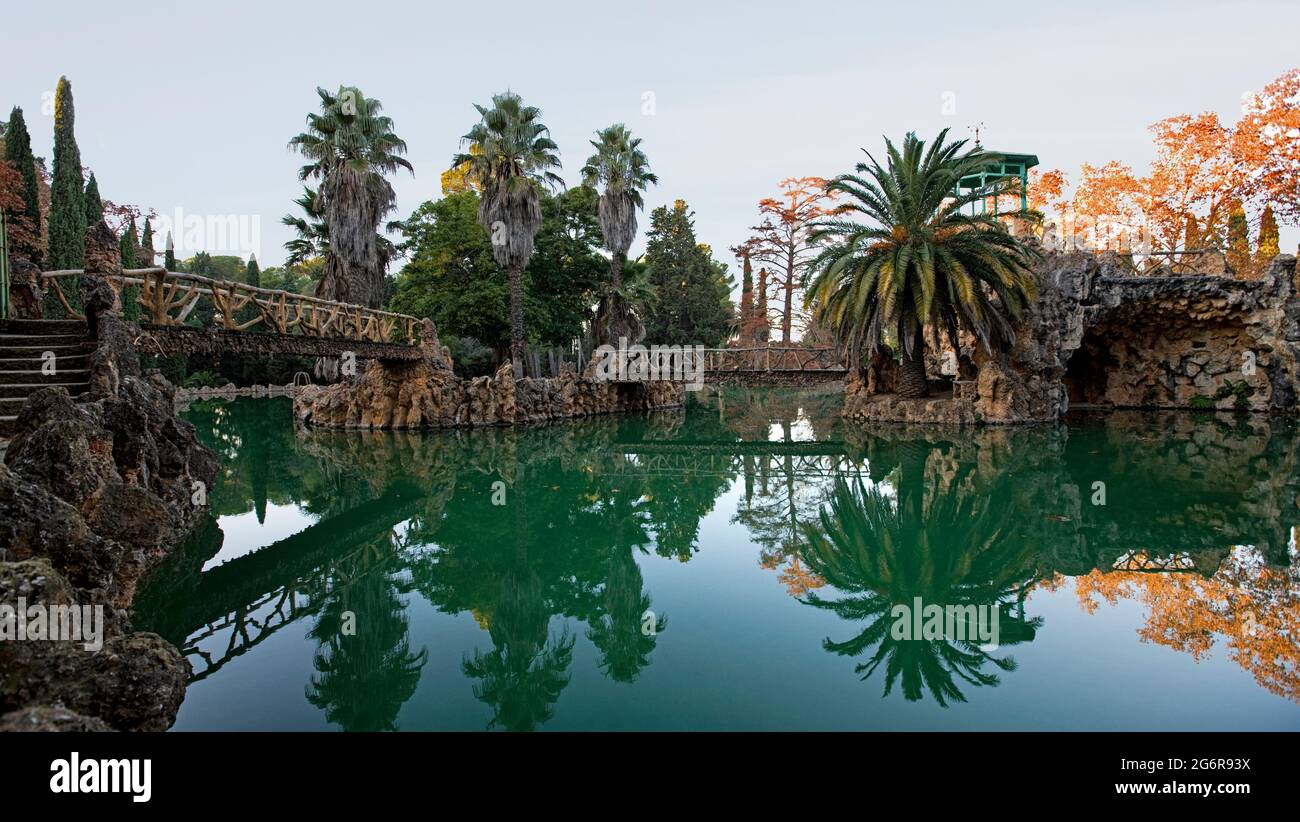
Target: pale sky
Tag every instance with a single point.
(190, 105)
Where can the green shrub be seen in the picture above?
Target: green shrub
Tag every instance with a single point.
(471, 357)
(204, 379)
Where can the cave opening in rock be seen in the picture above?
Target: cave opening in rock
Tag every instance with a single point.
(1087, 372)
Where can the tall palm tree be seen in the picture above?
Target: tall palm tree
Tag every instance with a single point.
(622, 168)
(918, 261)
(350, 147)
(510, 156)
(313, 233)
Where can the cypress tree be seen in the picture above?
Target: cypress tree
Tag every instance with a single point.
(128, 245)
(146, 255)
(140, 256)
(1238, 240)
(252, 273)
(94, 205)
(1192, 234)
(1270, 244)
(18, 152)
(169, 254)
(67, 207)
(253, 277)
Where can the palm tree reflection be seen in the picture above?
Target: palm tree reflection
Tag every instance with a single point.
(936, 543)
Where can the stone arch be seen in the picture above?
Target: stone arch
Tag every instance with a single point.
(1158, 353)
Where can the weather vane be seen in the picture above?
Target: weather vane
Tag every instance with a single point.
(977, 127)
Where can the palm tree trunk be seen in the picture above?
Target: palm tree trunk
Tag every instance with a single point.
(517, 320)
(911, 374)
(616, 270)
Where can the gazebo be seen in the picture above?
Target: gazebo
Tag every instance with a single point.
(1006, 166)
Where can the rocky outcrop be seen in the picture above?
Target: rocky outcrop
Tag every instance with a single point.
(1099, 335)
(25, 291)
(94, 491)
(428, 394)
(47, 718)
(134, 681)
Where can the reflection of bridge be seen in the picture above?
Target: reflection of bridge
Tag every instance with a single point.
(288, 323)
(807, 459)
(290, 576)
(713, 463)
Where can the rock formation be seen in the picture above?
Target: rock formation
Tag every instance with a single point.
(25, 291)
(94, 491)
(1099, 335)
(428, 394)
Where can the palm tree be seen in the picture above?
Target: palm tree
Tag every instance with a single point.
(350, 147)
(919, 261)
(510, 157)
(621, 167)
(313, 233)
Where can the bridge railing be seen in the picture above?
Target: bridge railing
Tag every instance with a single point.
(772, 358)
(170, 297)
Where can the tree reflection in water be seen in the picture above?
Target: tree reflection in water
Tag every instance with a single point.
(866, 521)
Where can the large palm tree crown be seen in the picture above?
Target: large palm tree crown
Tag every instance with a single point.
(349, 130)
(350, 146)
(917, 261)
(621, 167)
(510, 155)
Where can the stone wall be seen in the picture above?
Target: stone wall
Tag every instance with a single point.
(1098, 335)
(427, 394)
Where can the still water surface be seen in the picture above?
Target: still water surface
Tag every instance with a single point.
(737, 566)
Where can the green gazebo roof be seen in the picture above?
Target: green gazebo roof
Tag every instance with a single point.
(1009, 165)
(1006, 166)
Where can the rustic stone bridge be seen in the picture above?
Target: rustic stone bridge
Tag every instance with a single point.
(246, 319)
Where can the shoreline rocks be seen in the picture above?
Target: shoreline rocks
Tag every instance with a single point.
(428, 394)
(94, 492)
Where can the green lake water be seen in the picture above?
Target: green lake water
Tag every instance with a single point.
(739, 565)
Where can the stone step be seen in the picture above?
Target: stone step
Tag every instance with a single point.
(74, 359)
(8, 423)
(22, 392)
(20, 385)
(77, 327)
(12, 351)
(35, 377)
(7, 340)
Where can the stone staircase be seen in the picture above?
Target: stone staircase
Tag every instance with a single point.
(23, 347)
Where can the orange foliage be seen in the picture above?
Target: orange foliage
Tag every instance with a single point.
(1253, 608)
(781, 239)
(21, 232)
(1266, 144)
(1201, 166)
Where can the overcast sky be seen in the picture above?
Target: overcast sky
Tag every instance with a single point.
(190, 105)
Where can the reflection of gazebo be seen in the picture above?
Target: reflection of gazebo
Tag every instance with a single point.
(1003, 167)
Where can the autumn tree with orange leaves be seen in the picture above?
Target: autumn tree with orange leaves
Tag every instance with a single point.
(1202, 169)
(781, 241)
